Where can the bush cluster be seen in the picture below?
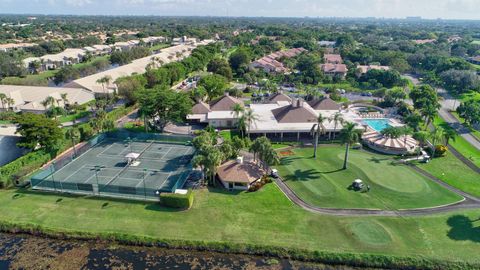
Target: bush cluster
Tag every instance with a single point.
(179, 201)
(260, 183)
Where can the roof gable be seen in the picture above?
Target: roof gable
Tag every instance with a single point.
(295, 113)
(225, 103)
(325, 104)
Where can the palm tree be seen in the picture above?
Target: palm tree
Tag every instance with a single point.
(10, 102)
(317, 129)
(422, 138)
(449, 134)
(49, 102)
(405, 131)
(64, 99)
(250, 118)
(337, 118)
(349, 135)
(3, 100)
(436, 135)
(237, 111)
(74, 135)
(105, 80)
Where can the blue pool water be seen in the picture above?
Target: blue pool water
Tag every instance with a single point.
(377, 124)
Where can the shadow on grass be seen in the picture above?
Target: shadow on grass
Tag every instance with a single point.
(224, 191)
(463, 228)
(159, 208)
(304, 175)
(59, 198)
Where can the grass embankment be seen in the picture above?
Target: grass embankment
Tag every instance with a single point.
(32, 80)
(323, 182)
(460, 144)
(452, 171)
(264, 221)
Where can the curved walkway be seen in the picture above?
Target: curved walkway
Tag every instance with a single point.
(468, 202)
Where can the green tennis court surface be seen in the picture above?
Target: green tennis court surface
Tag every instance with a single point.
(103, 169)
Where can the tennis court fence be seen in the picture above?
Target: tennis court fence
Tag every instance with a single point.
(45, 180)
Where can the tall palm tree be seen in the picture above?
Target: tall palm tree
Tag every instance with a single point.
(405, 131)
(237, 111)
(3, 100)
(105, 81)
(337, 118)
(449, 134)
(250, 118)
(49, 102)
(317, 129)
(74, 135)
(436, 135)
(422, 138)
(10, 102)
(349, 135)
(64, 97)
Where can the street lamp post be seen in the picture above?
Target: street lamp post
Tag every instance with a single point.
(97, 168)
(144, 185)
(53, 179)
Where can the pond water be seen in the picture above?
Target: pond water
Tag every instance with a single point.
(29, 252)
(9, 150)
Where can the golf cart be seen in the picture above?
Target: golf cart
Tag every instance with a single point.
(358, 184)
(274, 173)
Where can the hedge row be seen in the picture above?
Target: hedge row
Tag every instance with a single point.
(325, 257)
(180, 201)
(21, 167)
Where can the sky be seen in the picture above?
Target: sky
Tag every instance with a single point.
(431, 9)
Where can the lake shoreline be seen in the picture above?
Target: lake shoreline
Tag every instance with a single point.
(354, 260)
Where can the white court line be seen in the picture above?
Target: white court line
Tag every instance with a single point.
(72, 174)
(110, 146)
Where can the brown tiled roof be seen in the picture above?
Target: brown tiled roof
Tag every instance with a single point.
(201, 108)
(334, 68)
(325, 104)
(279, 97)
(245, 172)
(224, 103)
(295, 113)
(333, 58)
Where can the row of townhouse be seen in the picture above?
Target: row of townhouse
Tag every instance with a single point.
(271, 63)
(13, 46)
(75, 56)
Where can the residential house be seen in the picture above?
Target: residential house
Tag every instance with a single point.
(332, 58)
(59, 60)
(366, 68)
(475, 60)
(219, 113)
(327, 43)
(239, 174)
(30, 98)
(13, 46)
(294, 120)
(271, 63)
(334, 69)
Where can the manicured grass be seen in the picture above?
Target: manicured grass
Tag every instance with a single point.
(5, 122)
(323, 182)
(265, 217)
(71, 117)
(461, 145)
(452, 171)
(40, 79)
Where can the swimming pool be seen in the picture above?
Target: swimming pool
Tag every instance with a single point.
(377, 124)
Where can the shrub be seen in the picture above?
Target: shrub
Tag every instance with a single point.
(180, 201)
(440, 150)
(18, 169)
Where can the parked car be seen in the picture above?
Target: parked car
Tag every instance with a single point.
(274, 173)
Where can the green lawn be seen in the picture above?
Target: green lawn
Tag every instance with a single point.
(40, 79)
(322, 182)
(452, 171)
(71, 117)
(266, 217)
(460, 144)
